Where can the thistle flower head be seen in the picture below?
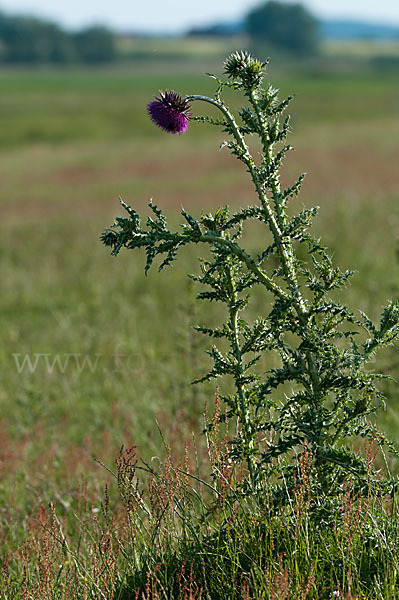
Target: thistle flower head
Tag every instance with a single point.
(170, 112)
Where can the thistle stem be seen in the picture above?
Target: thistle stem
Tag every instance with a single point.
(249, 161)
(242, 394)
(285, 250)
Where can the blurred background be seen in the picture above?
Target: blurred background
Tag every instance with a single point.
(75, 79)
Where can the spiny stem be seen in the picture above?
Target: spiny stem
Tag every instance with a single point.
(249, 161)
(248, 260)
(236, 132)
(285, 250)
(236, 348)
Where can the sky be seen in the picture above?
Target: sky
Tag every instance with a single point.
(176, 16)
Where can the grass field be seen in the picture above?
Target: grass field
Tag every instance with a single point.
(71, 143)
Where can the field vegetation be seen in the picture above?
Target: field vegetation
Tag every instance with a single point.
(71, 143)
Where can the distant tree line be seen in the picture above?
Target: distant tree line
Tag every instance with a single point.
(288, 27)
(27, 40)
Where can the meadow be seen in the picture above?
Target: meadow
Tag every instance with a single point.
(71, 143)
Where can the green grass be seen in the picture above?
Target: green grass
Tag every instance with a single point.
(70, 143)
(181, 49)
(62, 107)
(362, 48)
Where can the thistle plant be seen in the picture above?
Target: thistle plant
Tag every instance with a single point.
(323, 392)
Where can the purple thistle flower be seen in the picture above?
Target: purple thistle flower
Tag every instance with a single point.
(170, 112)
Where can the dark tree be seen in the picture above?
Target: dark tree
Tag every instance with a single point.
(289, 27)
(95, 45)
(29, 40)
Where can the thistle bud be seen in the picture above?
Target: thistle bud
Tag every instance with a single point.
(243, 66)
